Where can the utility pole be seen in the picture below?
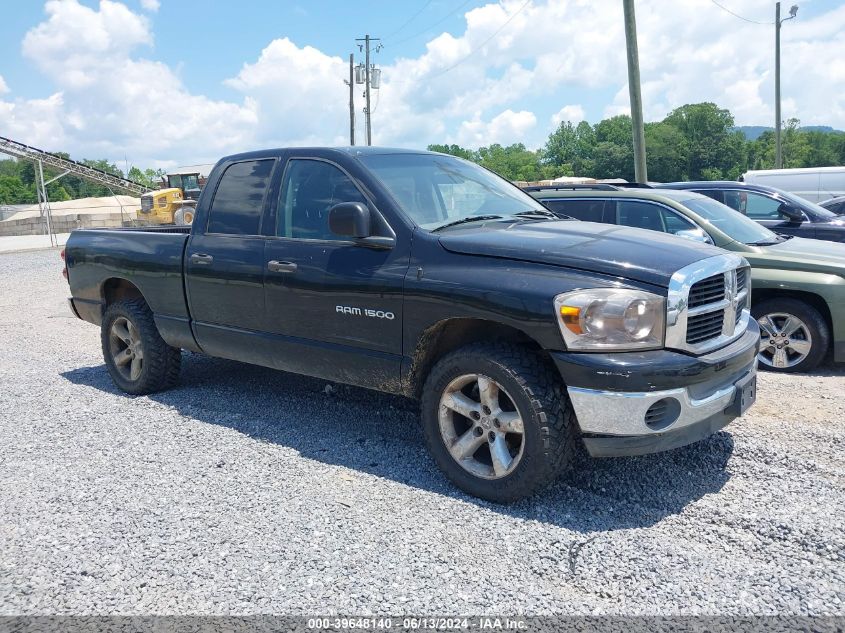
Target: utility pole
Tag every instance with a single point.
(367, 74)
(640, 173)
(368, 81)
(778, 148)
(351, 84)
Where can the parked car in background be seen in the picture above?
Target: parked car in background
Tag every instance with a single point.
(798, 285)
(426, 275)
(835, 205)
(811, 183)
(778, 210)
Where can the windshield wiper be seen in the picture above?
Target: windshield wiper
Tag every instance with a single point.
(765, 243)
(782, 237)
(538, 213)
(471, 218)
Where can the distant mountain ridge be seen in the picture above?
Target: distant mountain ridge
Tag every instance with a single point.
(753, 132)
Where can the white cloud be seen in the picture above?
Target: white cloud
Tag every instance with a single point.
(506, 127)
(104, 105)
(573, 113)
(697, 52)
(3, 87)
(299, 94)
(37, 122)
(150, 5)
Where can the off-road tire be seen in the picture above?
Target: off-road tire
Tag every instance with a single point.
(162, 362)
(550, 427)
(815, 322)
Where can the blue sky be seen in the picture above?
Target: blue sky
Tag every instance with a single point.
(74, 73)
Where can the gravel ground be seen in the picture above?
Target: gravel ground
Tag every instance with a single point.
(251, 491)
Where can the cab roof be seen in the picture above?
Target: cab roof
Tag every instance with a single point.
(354, 151)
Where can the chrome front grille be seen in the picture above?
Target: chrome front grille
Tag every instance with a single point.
(703, 327)
(707, 291)
(707, 306)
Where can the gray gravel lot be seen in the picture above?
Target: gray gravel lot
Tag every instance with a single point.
(251, 491)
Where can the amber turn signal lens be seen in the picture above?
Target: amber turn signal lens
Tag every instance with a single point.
(570, 315)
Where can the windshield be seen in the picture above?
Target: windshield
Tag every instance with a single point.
(437, 190)
(731, 223)
(811, 207)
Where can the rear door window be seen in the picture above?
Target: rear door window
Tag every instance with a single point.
(239, 199)
(651, 216)
(711, 193)
(759, 207)
(640, 215)
(736, 200)
(587, 210)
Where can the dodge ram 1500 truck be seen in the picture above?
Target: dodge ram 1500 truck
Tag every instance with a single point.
(425, 275)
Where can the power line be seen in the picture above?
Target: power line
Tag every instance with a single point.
(439, 22)
(482, 45)
(737, 15)
(409, 20)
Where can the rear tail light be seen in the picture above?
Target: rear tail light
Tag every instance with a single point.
(64, 267)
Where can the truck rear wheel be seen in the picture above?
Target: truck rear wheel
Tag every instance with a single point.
(794, 336)
(497, 420)
(137, 358)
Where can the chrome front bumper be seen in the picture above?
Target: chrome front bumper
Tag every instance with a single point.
(623, 413)
(623, 423)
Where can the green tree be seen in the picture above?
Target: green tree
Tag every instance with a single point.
(454, 150)
(617, 130)
(13, 191)
(514, 162)
(147, 177)
(562, 145)
(708, 132)
(613, 161)
(666, 152)
(570, 148)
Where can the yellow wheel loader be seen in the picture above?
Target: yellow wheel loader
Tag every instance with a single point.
(166, 206)
(176, 203)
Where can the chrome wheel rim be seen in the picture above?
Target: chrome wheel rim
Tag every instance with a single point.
(481, 426)
(125, 348)
(786, 340)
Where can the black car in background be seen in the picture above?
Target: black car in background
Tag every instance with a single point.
(777, 210)
(836, 205)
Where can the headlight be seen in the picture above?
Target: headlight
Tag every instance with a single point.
(609, 319)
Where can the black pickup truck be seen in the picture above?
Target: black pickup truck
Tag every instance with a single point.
(425, 275)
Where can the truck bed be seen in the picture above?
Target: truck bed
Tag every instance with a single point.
(150, 258)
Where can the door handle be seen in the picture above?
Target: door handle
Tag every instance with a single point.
(201, 258)
(281, 267)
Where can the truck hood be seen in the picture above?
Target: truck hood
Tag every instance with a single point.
(801, 255)
(636, 254)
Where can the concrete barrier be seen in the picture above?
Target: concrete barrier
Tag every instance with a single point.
(64, 223)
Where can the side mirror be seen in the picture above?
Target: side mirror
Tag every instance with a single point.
(350, 219)
(696, 235)
(791, 213)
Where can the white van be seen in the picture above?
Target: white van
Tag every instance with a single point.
(813, 183)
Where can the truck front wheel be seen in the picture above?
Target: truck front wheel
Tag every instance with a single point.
(497, 420)
(137, 358)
